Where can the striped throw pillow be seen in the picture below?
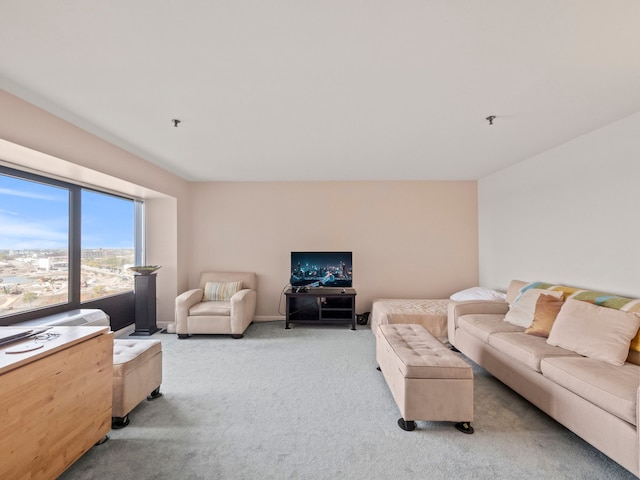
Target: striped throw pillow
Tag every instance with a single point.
(221, 291)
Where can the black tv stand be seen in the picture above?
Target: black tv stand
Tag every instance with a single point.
(326, 305)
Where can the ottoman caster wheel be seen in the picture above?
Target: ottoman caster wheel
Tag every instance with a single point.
(102, 441)
(237, 336)
(464, 427)
(155, 394)
(406, 425)
(119, 422)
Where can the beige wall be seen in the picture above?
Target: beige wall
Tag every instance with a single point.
(569, 215)
(409, 239)
(34, 140)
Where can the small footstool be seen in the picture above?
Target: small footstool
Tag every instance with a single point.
(137, 374)
(427, 380)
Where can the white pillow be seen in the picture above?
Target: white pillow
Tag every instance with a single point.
(524, 307)
(477, 293)
(593, 331)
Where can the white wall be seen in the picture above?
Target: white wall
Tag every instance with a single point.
(570, 215)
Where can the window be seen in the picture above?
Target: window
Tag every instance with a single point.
(107, 245)
(34, 245)
(62, 245)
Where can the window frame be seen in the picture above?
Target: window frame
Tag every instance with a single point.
(75, 246)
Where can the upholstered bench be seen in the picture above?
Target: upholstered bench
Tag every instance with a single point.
(427, 380)
(137, 374)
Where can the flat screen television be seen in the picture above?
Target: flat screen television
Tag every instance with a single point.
(321, 269)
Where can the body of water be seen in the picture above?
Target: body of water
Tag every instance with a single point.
(15, 280)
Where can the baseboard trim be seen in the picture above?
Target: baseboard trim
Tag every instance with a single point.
(171, 327)
(268, 318)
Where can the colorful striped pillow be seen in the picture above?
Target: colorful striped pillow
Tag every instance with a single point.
(221, 291)
(601, 299)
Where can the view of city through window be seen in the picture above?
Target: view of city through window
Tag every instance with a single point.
(107, 246)
(34, 245)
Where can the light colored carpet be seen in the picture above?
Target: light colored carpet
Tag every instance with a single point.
(308, 403)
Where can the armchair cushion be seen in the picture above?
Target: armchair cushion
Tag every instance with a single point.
(211, 308)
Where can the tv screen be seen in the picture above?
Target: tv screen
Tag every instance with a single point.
(321, 269)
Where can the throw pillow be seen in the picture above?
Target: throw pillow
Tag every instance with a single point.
(221, 291)
(596, 332)
(522, 310)
(477, 293)
(546, 311)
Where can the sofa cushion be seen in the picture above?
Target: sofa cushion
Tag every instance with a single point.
(612, 388)
(593, 331)
(218, 309)
(527, 349)
(514, 290)
(221, 291)
(547, 309)
(634, 348)
(481, 325)
(522, 310)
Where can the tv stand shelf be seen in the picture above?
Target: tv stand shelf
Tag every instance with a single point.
(321, 305)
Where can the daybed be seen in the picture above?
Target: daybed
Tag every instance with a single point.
(431, 314)
(585, 375)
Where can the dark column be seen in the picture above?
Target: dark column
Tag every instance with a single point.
(145, 302)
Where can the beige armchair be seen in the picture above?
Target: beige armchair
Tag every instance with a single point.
(215, 308)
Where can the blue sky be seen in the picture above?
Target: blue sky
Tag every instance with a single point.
(35, 216)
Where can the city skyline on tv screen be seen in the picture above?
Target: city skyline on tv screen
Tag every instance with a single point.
(321, 269)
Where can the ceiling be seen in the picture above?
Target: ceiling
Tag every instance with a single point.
(287, 90)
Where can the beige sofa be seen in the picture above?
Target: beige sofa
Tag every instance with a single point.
(594, 398)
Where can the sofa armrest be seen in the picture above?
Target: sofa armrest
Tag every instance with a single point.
(467, 307)
(243, 309)
(184, 302)
(457, 309)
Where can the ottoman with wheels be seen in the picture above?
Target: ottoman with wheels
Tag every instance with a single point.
(427, 380)
(137, 374)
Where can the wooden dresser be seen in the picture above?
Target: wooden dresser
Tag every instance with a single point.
(55, 402)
